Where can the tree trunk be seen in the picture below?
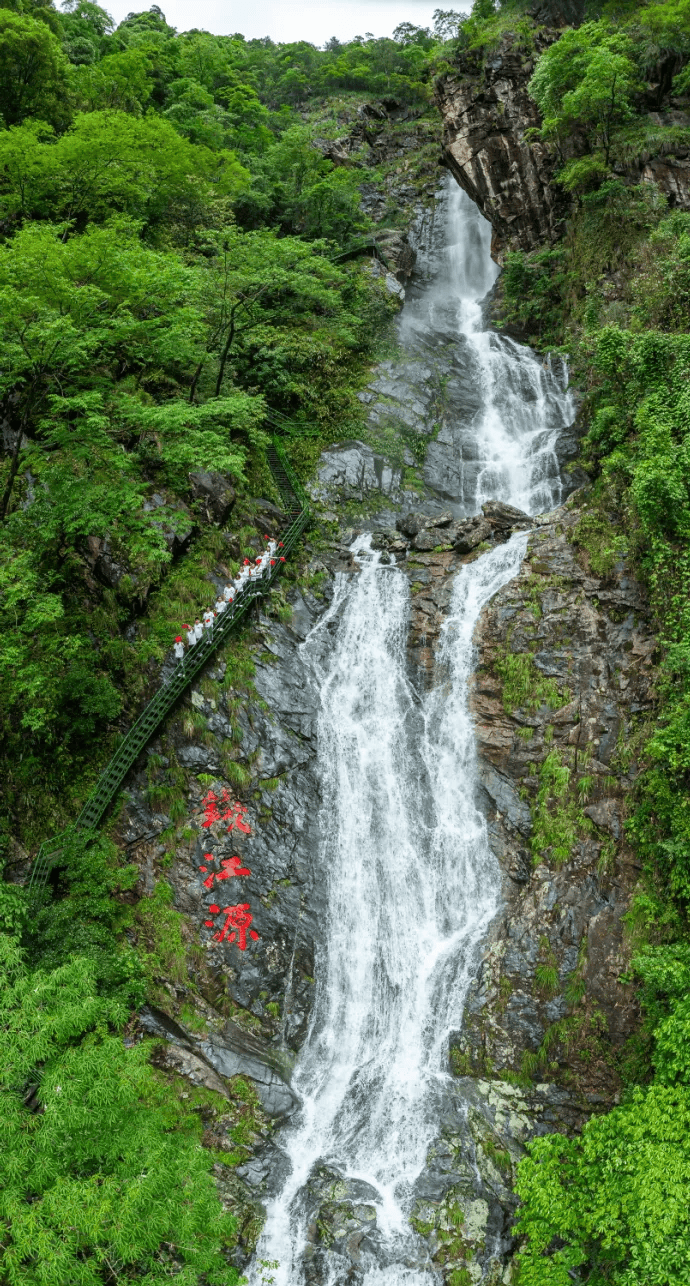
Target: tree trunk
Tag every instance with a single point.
(225, 354)
(195, 381)
(14, 466)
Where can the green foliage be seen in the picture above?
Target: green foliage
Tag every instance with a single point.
(160, 941)
(110, 161)
(556, 816)
(533, 287)
(85, 912)
(489, 20)
(32, 71)
(166, 275)
(605, 545)
(524, 687)
(102, 1172)
(665, 996)
(585, 81)
(660, 291)
(611, 1204)
(588, 86)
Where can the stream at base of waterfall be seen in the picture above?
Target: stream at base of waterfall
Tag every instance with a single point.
(412, 883)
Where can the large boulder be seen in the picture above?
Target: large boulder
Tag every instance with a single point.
(414, 521)
(470, 533)
(214, 494)
(505, 517)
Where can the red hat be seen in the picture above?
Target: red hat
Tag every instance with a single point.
(282, 559)
(246, 561)
(265, 535)
(186, 627)
(178, 639)
(258, 558)
(273, 562)
(280, 544)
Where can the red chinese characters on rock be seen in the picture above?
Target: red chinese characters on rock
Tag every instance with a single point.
(237, 921)
(222, 808)
(218, 809)
(229, 866)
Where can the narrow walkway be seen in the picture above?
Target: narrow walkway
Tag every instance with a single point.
(296, 507)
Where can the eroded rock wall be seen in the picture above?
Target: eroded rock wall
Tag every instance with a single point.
(486, 113)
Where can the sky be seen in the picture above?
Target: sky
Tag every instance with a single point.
(284, 20)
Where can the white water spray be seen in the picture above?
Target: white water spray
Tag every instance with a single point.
(412, 883)
(412, 887)
(525, 403)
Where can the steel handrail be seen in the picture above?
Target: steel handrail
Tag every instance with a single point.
(296, 505)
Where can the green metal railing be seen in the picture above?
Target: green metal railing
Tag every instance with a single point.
(296, 507)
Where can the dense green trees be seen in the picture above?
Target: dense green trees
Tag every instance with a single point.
(615, 1200)
(585, 81)
(102, 1175)
(33, 70)
(164, 275)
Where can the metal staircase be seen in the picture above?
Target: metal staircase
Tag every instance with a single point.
(296, 507)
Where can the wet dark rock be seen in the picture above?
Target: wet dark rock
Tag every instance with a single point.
(605, 815)
(390, 540)
(215, 495)
(237, 1052)
(467, 535)
(464, 1198)
(590, 636)
(399, 254)
(416, 521)
(271, 737)
(413, 522)
(341, 1225)
(271, 513)
(430, 538)
(505, 517)
(107, 568)
(487, 115)
(486, 112)
(231, 1052)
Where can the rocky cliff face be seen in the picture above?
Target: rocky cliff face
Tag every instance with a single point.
(486, 112)
(565, 675)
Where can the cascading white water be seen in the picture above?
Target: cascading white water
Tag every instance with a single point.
(412, 883)
(525, 403)
(412, 886)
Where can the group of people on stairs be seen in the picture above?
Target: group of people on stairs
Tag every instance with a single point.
(248, 573)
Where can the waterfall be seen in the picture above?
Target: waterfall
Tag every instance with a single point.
(510, 444)
(412, 883)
